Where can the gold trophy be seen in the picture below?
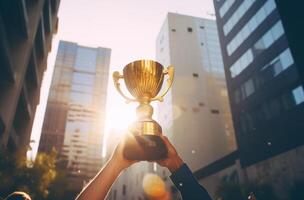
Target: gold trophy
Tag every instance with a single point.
(144, 79)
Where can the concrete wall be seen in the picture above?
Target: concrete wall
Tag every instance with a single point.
(195, 115)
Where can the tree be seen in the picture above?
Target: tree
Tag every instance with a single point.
(36, 177)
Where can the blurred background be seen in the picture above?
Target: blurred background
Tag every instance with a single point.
(235, 111)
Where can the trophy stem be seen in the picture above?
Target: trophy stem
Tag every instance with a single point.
(144, 111)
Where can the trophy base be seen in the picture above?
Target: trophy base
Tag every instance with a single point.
(145, 147)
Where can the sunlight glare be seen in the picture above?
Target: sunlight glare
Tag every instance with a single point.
(121, 116)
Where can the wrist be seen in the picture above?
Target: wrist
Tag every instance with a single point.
(116, 164)
(175, 164)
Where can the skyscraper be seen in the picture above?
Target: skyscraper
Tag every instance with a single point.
(26, 31)
(75, 114)
(261, 50)
(195, 114)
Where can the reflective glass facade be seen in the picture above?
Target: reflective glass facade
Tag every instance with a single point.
(74, 121)
(250, 26)
(261, 46)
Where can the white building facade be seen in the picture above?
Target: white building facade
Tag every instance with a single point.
(195, 115)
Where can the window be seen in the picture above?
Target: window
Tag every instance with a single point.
(215, 111)
(286, 59)
(277, 67)
(202, 44)
(86, 59)
(246, 90)
(225, 7)
(81, 98)
(195, 110)
(278, 64)
(237, 15)
(249, 87)
(195, 75)
(237, 96)
(251, 25)
(202, 27)
(272, 108)
(241, 63)
(124, 190)
(261, 45)
(201, 104)
(266, 73)
(173, 30)
(82, 88)
(298, 94)
(83, 78)
(268, 38)
(189, 29)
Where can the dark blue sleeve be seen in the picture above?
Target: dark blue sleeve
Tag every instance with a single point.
(188, 186)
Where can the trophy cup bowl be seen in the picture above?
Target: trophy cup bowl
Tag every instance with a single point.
(144, 80)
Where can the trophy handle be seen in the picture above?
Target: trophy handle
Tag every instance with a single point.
(116, 77)
(170, 72)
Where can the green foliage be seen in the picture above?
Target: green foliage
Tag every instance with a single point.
(37, 178)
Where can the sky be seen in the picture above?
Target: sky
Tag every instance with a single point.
(128, 27)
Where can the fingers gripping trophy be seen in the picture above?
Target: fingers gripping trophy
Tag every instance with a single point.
(144, 80)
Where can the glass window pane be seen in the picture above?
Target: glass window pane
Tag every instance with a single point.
(268, 39)
(252, 25)
(86, 59)
(298, 94)
(277, 67)
(246, 31)
(81, 98)
(286, 59)
(277, 30)
(82, 88)
(249, 87)
(259, 45)
(82, 78)
(269, 6)
(260, 16)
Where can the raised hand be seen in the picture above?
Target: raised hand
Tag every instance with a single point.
(173, 162)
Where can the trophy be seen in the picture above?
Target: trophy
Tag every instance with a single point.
(144, 79)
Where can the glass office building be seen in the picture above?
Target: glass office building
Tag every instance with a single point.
(75, 114)
(260, 43)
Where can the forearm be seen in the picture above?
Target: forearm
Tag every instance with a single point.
(98, 188)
